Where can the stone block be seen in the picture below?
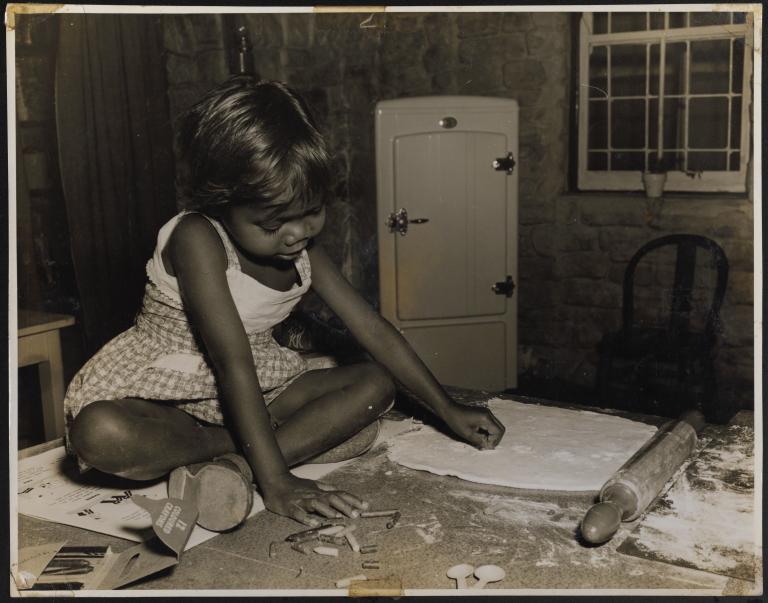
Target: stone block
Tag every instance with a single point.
(540, 43)
(740, 288)
(740, 254)
(733, 225)
(265, 30)
(440, 29)
(550, 20)
(445, 83)
(298, 30)
(213, 65)
(536, 211)
(573, 237)
(612, 211)
(537, 269)
(402, 48)
(478, 24)
(567, 212)
(737, 325)
(480, 79)
(207, 29)
(182, 97)
(405, 22)
(181, 69)
(268, 64)
(590, 292)
(511, 47)
(621, 242)
(524, 74)
(516, 22)
(544, 240)
(178, 34)
(585, 264)
(437, 58)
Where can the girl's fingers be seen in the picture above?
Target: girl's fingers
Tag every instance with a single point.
(325, 486)
(338, 502)
(322, 508)
(303, 517)
(352, 500)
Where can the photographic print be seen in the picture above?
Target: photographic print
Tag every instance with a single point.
(385, 301)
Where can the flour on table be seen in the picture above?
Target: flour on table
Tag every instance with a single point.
(544, 447)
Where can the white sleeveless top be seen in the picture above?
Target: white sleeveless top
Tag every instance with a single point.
(260, 307)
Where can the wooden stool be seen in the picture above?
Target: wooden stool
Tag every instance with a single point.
(39, 343)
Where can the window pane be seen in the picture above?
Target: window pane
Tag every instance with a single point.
(739, 18)
(597, 161)
(628, 22)
(597, 137)
(737, 66)
(708, 123)
(598, 72)
(671, 161)
(674, 119)
(628, 70)
(735, 162)
(624, 160)
(710, 61)
(678, 19)
(710, 18)
(657, 20)
(599, 23)
(736, 122)
(628, 124)
(707, 161)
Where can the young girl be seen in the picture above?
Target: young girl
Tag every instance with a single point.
(199, 376)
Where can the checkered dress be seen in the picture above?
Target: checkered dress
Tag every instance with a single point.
(160, 359)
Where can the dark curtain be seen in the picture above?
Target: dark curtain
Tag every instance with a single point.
(116, 157)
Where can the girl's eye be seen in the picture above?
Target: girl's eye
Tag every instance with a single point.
(270, 231)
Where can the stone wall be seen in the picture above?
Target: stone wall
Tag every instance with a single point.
(572, 248)
(574, 266)
(345, 63)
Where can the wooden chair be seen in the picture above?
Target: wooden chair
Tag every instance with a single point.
(669, 367)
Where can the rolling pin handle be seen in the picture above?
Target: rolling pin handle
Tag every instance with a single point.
(601, 522)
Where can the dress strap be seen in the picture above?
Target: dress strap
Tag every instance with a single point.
(232, 260)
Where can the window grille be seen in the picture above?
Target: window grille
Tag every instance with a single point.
(664, 90)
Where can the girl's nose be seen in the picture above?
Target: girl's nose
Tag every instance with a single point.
(296, 231)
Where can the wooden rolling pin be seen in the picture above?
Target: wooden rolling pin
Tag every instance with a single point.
(634, 486)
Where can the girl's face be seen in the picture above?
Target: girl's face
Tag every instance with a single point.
(278, 231)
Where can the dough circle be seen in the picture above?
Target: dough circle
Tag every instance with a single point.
(544, 448)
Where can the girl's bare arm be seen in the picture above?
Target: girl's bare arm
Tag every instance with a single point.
(200, 262)
(389, 347)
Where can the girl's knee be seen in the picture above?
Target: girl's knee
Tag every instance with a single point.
(98, 435)
(382, 385)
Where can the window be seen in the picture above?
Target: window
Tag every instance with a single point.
(667, 88)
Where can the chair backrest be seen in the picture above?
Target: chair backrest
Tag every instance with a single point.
(685, 265)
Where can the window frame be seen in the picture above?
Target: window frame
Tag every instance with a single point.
(721, 181)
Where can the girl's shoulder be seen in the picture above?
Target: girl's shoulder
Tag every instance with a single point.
(195, 239)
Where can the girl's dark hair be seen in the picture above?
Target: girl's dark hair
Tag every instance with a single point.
(249, 140)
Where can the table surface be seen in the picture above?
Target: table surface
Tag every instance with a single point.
(32, 322)
(445, 521)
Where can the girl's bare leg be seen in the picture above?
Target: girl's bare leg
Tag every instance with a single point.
(324, 408)
(143, 440)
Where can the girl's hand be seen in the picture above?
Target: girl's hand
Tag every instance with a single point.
(475, 424)
(297, 498)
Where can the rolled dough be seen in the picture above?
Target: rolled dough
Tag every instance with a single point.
(544, 448)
